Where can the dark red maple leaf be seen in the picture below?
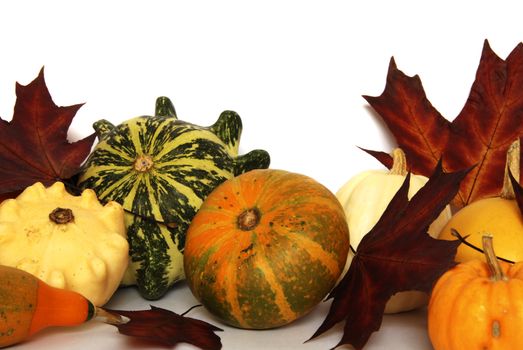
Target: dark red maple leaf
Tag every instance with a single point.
(518, 192)
(396, 255)
(33, 145)
(420, 130)
(481, 134)
(165, 327)
(382, 157)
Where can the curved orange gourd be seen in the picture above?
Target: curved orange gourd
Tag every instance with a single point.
(265, 248)
(28, 305)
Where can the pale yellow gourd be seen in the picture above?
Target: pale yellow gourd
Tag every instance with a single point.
(69, 242)
(364, 199)
(498, 216)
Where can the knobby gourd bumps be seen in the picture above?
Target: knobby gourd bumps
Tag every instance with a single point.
(161, 169)
(69, 242)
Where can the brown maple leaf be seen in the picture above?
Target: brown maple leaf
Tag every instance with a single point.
(481, 134)
(33, 145)
(383, 157)
(161, 326)
(518, 192)
(396, 255)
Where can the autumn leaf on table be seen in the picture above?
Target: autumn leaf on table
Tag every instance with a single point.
(161, 326)
(396, 255)
(488, 123)
(33, 145)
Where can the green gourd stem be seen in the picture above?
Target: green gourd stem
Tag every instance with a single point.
(399, 162)
(492, 261)
(512, 166)
(103, 128)
(164, 108)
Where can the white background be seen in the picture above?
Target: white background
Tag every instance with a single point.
(294, 71)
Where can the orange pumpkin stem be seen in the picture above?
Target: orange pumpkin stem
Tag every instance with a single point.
(511, 166)
(249, 219)
(399, 162)
(492, 261)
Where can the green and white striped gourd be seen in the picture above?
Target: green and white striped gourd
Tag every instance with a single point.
(161, 169)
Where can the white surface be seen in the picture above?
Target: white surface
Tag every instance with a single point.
(294, 71)
(405, 332)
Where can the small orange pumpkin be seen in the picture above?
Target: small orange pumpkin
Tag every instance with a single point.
(478, 305)
(265, 248)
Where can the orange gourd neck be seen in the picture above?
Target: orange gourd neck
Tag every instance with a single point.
(59, 307)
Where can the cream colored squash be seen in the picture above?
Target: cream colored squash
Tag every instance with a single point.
(69, 242)
(364, 199)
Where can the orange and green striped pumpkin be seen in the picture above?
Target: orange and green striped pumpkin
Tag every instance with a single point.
(265, 248)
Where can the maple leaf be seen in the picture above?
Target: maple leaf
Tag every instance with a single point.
(165, 327)
(396, 255)
(33, 145)
(481, 134)
(518, 192)
(383, 157)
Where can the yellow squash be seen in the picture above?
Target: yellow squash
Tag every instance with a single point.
(499, 216)
(69, 242)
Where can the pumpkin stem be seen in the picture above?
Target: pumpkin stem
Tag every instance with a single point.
(143, 163)
(492, 261)
(511, 166)
(399, 162)
(249, 219)
(61, 216)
